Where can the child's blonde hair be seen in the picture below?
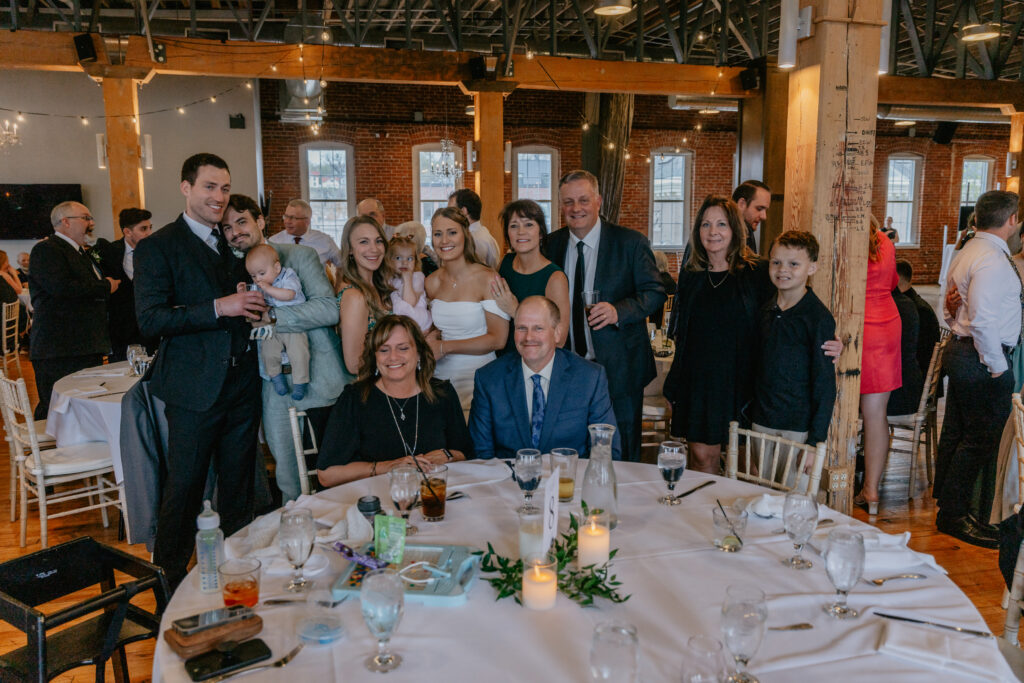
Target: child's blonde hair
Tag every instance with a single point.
(404, 242)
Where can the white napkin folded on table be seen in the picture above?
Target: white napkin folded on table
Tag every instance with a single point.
(771, 505)
(114, 372)
(64, 398)
(968, 655)
(325, 512)
(259, 539)
(885, 553)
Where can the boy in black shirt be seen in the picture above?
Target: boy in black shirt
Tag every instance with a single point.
(796, 383)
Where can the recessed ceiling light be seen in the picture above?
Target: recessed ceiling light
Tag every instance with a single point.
(612, 8)
(904, 124)
(973, 33)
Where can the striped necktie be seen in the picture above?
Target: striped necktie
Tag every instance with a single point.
(537, 419)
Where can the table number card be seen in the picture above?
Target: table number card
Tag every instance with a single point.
(550, 508)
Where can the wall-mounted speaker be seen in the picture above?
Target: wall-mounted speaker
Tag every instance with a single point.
(944, 132)
(84, 48)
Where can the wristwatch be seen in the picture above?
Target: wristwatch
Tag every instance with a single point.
(448, 454)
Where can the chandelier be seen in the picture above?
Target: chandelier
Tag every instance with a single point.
(9, 135)
(447, 167)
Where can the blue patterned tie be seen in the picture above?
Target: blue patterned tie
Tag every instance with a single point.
(537, 421)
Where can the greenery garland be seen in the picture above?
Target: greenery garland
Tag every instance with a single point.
(581, 585)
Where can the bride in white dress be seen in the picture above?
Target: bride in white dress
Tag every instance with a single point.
(472, 326)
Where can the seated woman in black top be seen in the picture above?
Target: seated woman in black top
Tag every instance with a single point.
(394, 412)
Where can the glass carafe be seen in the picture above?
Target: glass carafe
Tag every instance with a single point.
(600, 489)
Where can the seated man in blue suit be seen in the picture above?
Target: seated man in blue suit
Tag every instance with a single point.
(544, 397)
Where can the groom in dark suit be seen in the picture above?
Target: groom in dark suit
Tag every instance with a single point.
(205, 371)
(618, 263)
(69, 296)
(544, 397)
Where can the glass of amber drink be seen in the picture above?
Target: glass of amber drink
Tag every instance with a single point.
(240, 582)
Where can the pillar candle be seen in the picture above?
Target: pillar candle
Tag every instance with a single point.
(540, 587)
(593, 541)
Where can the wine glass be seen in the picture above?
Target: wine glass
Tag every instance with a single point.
(844, 564)
(382, 597)
(800, 517)
(296, 536)
(133, 352)
(672, 463)
(614, 653)
(405, 489)
(703, 661)
(743, 615)
(528, 469)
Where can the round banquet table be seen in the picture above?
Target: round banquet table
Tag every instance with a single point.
(86, 406)
(667, 564)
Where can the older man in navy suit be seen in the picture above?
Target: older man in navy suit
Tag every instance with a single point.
(544, 398)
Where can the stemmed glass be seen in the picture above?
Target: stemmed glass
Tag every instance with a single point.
(743, 615)
(296, 537)
(844, 564)
(614, 653)
(405, 489)
(382, 598)
(704, 661)
(800, 517)
(529, 465)
(134, 352)
(672, 463)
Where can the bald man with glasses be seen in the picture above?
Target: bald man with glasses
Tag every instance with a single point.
(69, 295)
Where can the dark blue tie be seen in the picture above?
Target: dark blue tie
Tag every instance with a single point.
(537, 421)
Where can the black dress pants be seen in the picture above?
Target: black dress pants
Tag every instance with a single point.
(224, 435)
(49, 370)
(628, 409)
(977, 407)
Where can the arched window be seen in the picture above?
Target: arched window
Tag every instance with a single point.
(671, 184)
(328, 184)
(536, 171)
(903, 194)
(976, 179)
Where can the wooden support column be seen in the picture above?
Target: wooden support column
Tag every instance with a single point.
(830, 147)
(1013, 175)
(489, 140)
(121, 106)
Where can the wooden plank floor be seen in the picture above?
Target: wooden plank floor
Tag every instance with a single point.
(973, 569)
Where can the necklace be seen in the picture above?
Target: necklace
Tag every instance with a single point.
(720, 282)
(401, 408)
(416, 437)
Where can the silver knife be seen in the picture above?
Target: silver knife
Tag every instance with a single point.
(698, 487)
(960, 629)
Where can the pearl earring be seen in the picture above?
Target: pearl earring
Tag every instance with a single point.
(419, 365)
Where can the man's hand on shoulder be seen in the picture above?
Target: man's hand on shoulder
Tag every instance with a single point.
(114, 284)
(241, 304)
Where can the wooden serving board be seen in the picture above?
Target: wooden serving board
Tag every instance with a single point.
(204, 641)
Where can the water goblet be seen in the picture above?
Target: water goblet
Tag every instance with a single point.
(381, 598)
(133, 352)
(844, 564)
(529, 465)
(405, 489)
(800, 517)
(704, 661)
(743, 616)
(296, 536)
(614, 653)
(672, 463)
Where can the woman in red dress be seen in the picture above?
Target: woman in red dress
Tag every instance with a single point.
(881, 370)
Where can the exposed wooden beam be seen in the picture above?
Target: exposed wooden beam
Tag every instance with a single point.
(947, 91)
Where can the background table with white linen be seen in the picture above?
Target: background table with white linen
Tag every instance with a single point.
(86, 406)
(667, 564)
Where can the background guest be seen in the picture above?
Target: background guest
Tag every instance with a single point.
(394, 412)
(468, 202)
(374, 208)
(117, 260)
(753, 198)
(905, 400)
(23, 260)
(526, 271)
(297, 218)
(363, 287)
(472, 326)
(661, 259)
(928, 322)
(881, 369)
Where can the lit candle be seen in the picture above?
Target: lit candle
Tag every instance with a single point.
(593, 542)
(540, 583)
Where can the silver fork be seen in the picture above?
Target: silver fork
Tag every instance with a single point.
(273, 665)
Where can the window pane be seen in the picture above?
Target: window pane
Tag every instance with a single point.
(427, 210)
(434, 186)
(974, 182)
(901, 180)
(327, 174)
(330, 217)
(534, 176)
(668, 189)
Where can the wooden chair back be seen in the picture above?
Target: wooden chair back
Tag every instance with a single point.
(773, 461)
(17, 414)
(294, 416)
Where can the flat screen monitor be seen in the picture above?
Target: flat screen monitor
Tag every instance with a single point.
(25, 209)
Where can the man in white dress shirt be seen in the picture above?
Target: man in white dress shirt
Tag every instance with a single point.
(374, 208)
(117, 260)
(985, 328)
(297, 216)
(468, 202)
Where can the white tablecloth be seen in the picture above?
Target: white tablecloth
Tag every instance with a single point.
(76, 418)
(666, 562)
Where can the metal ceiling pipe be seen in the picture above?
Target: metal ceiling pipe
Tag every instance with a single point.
(683, 103)
(894, 112)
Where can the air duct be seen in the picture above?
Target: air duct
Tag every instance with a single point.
(895, 112)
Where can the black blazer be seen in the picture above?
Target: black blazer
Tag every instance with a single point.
(69, 300)
(628, 277)
(177, 277)
(124, 327)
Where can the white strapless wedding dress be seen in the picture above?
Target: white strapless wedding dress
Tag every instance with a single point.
(462, 320)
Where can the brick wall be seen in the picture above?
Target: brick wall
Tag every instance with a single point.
(941, 175)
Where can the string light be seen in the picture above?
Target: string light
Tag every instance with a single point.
(323, 83)
(248, 85)
(213, 99)
(85, 121)
(181, 110)
(325, 36)
(273, 67)
(677, 150)
(586, 126)
(529, 53)
(700, 37)
(611, 145)
(628, 155)
(20, 117)
(648, 159)
(684, 139)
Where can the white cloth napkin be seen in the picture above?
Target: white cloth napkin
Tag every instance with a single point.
(64, 398)
(114, 372)
(259, 539)
(884, 553)
(968, 655)
(325, 512)
(771, 505)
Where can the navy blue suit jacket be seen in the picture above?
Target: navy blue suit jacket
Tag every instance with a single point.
(499, 421)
